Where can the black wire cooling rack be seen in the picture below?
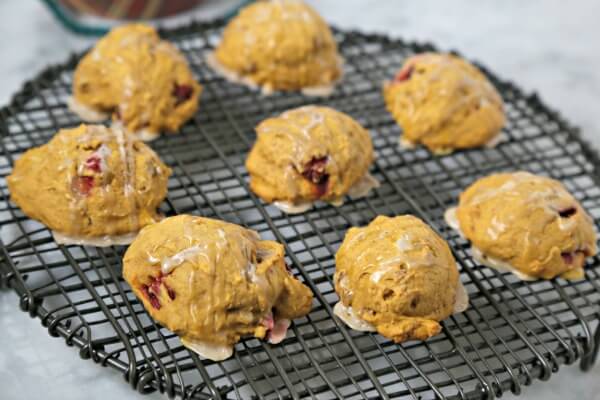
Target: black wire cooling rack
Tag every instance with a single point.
(513, 333)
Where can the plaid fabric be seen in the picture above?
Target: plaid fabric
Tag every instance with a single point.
(129, 9)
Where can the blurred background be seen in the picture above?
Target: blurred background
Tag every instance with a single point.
(543, 45)
(549, 46)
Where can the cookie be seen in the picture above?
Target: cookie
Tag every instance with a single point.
(310, 153)
(212, 283)
(143, 81)
(527, 224)
(396, 276)
(444, 103)
(279, 45)
(90, 185)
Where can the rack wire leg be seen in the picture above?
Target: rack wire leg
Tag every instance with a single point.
(587, 361)
(4, 277)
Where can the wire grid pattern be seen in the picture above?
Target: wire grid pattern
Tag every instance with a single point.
(513, 332)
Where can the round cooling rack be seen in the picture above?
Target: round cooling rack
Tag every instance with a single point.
(513, 333)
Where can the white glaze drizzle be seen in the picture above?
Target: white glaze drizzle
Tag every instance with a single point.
(494, 141)
(126, 159)
(105, 135)
(352, 320)
(291, 208)
(167, 264)
(452, 221)
(550, 200)
(461, 302)
(266, 89)
(496, 228)
(406, 144)
(210, 251)
(145, 135)
(98, 241)
(301, 136)
(279, 330)
(498, 265)
(403, 256)
(84, 112)
(363, 186)
(345, 286)
(208, 350)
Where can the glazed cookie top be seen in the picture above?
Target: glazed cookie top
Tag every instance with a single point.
(444, 103)
(397, 275)
(90, 181)
(530, 222)
(308, 153)
(280, 44)
(212, 282)
(144, 80)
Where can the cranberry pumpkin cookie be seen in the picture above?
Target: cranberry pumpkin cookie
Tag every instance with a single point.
(143, 81)
(212, 282)
(307, 154)
(279, 45)
(396, 276)
(90, 185)
(444, 103)
(527, 224)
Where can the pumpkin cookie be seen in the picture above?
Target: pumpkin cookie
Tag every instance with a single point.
(145, 82)
(396, 276)
(279, 45)
(213, 282)
(444, 103)
(90, 185)
(310, 153)
(527, 224)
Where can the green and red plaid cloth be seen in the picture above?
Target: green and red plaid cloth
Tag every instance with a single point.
(74, 14)
(129, 9)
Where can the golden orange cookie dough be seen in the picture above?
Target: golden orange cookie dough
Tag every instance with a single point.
(528, 224)
(309, 153)
(144, 81)
(396, 276)
(90, 185)
(279, 45)
(444, 103)
(212, 282)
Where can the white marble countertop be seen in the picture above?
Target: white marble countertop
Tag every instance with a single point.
(549, 46)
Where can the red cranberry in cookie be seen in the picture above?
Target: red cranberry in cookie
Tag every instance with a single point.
(307, 154)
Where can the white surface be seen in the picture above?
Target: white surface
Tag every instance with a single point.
(550, 46)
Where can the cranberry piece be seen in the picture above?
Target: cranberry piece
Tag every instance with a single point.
(567, 212)
(182, 93)
(152, 291)
(314, 171)
(152, 298)
(170, 291)
(567, 257)
(268, 321)
(321, 189)
(288, 269)
(278, 332)
(94, 162)
(154, 286)
(82, 185)
(405, 73)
